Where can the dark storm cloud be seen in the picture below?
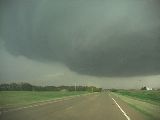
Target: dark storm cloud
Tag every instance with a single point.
(101, 38)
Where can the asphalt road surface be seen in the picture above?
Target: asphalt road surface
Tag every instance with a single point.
(99, 106)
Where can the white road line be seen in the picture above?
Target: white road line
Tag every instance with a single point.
(124, 113)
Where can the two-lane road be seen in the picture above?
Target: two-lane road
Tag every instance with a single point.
(100, 106)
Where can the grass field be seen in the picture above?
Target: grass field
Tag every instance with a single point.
(146, 102)
(148, 96)
(20, 98)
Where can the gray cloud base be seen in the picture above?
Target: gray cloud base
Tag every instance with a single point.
(100, 38)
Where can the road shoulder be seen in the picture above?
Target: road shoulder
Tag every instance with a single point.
(130, 111)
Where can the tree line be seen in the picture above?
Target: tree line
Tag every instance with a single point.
(29, 87)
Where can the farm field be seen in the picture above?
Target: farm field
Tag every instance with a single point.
(20, 98)
(148, 96)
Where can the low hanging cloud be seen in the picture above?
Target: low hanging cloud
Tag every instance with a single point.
(100, 38)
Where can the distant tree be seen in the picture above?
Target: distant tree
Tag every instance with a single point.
(26, 86)
(14, 86)
(113, 90)
(144, 88)
(4, 87)
(29, 87)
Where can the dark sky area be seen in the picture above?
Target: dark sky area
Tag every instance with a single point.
(97, 40)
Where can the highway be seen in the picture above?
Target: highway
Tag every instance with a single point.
(99, 106)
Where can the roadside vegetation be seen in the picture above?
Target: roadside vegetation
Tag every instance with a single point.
(14, 95)
(152, 96)
(146, 102)
(10, 99)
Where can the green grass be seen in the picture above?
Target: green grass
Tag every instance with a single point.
(145, 112)
(20, 98)
(146, 102)
(148, 96)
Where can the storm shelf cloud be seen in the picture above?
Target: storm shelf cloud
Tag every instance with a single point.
(99, 38)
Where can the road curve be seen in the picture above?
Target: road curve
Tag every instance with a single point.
(100, 106)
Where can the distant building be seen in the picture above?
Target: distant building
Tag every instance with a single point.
(146, 88)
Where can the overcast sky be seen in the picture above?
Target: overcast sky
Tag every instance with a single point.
(106, 43)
